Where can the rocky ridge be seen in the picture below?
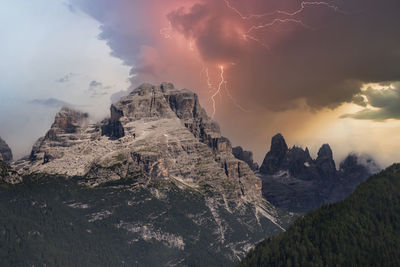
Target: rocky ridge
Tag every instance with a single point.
(246, 156)
(160, 131)
(293, 181)
(160, 137)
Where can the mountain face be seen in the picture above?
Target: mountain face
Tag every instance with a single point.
(362, 230)
(5, 151)
(157, 174)
(295, 182)
(246, 156)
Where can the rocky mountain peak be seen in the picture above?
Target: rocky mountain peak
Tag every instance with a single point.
(358, 165)
(325, 163)
(278, 144)
(67, 121)
(350, 161)
(325, 152)
(165, 102)
(275, 156)
(157, 129)
(5, 151)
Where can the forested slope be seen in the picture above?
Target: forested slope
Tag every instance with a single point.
(362, 230)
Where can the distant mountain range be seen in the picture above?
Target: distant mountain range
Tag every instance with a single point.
(295, 182)
(362, 230)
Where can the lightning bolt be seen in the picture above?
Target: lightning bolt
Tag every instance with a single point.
(290, 18)
(271, 20)
(303, 6)
(218, 90)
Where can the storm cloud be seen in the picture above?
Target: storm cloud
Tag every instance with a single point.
(320, 53)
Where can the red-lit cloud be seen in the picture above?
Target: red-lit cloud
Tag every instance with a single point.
(274, 52)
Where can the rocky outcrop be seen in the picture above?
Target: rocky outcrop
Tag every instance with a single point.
(293, 181)
(160, 137)
(112, 127)
(5, 151)
(67, 129)
(246, 156)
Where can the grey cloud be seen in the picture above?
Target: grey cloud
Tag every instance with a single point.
(66, 78)
(70, 7)
(380, 104)
(50, 102)
(97, 88)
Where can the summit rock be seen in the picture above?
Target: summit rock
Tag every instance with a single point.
(275, 156)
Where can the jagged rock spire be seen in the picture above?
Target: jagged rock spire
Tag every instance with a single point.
(325, 163)
(275, 156)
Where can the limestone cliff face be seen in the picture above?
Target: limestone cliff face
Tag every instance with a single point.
(158, 130)
(159, 135)
(246, 156)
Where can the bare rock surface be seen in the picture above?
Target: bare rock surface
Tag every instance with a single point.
(246, 156)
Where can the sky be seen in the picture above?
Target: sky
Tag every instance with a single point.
(317, 72)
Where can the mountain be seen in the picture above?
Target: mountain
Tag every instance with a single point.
(5, 151)
(295, 182)
(362, 230)
(154, 184)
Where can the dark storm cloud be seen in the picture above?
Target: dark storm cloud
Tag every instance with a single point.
(326, 65)
(324, 61)
(381, 104)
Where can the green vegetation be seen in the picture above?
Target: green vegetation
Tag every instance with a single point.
(362, 230)
(52, 221)
(4, 168)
